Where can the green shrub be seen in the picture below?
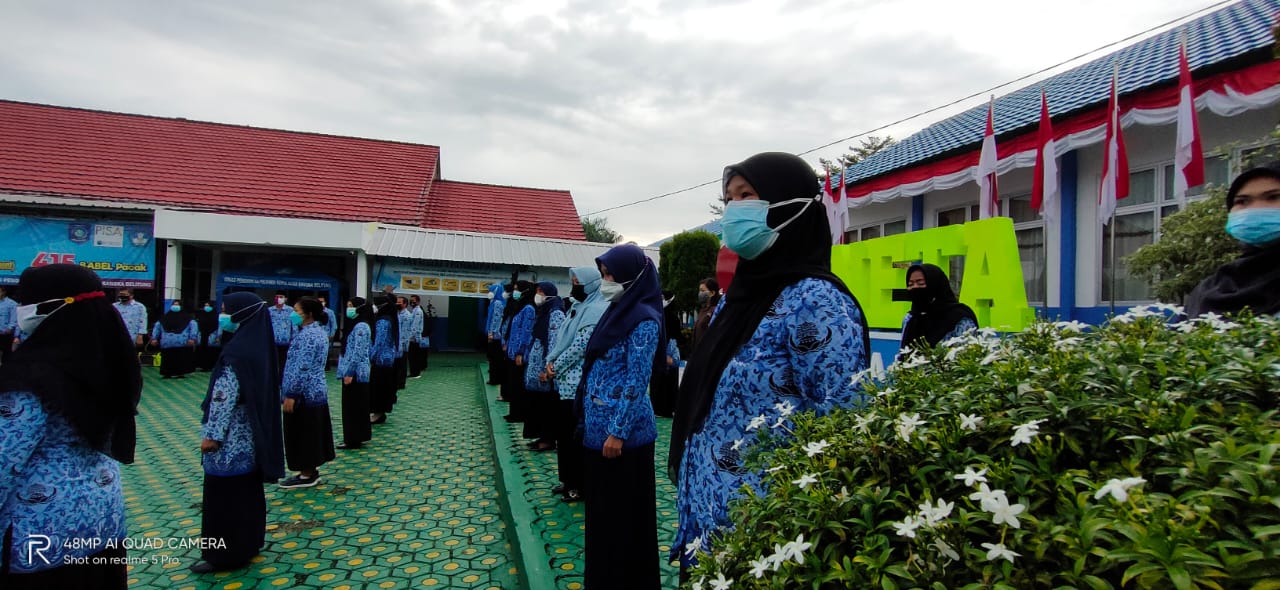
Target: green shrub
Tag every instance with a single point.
(1134, 455)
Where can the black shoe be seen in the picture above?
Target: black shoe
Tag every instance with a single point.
(510, 418)
(347, 447)
(379, 420)
(560, 489)
(571, 496)
(203, 567)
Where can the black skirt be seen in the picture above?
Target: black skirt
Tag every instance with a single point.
(308, 437)
(622, 523)
(98, 574)
(382, 389)
(235, 512)
(355, 413)
(206, 357)
(496, 358)
(175, 362)
(663, 385)
(515, 392)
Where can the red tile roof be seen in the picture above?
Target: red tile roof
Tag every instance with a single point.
(487, 208)
(249, 170)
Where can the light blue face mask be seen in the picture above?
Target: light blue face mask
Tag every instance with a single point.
(225, 323)
(295, 318)
(1257, 227)
(746, 225)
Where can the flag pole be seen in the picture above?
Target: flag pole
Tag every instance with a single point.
(1112, 225)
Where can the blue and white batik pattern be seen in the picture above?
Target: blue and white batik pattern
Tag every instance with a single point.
(53, 484)
(304, 367)
(496, 308)
(356, 359)
(568, 366)
(617, 395)
(537, 361)
(521, 335)
(801, 358)
(228, 424)
(176, 339)
(134, 315)
(282, 328)
(406, 331)
(9, 317)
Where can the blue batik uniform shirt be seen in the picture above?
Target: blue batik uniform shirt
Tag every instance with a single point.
(419, 323)
(617, 393)
(331, 328)
(383, 353)
(134, 315)
(521, 335)
(406, 331)
(356, 359)
(304, 367)
(8, 316)
(176, 339)
(497, 307)
(282, 328)
(228, 424)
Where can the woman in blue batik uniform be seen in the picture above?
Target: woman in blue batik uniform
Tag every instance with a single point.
(242, 442)
(177, 335)
(210, 337)
(618, 425)
(564, 364)
(308, 433)
(936, 315)
(540, 385)
(519, 336)
(354, 367)
(665, 379)
(493, 329)
(788, 337)
(382, 373)
(67, 401)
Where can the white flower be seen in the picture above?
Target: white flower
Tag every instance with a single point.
(946, 550)
(805, 481)
(998, 551)
(907, 528)
(886, 392)
(693, 546)
(785, 408)
(698, 584)
(795, 549)
(781, 420)
(1023, 433)
(778, 558)
(935, 514)
(1118, 488)
(843, 496)
(912, 361)
(863, 422)
(987, 497)
(814, 449)
(1005, 513)
(972, 477)
(970, 421)
(776, 468)
(1072, 326)
(757, 422)
(759, 567)
(908, 424)
(737, 444)
(722, 584)
(1066, 343)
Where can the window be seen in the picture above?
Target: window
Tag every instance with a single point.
(1028, 229)
(1137, 223)
(957, 216)
(875, 230)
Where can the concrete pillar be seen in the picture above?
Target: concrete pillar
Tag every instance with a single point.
(172, 272)
(362, 275)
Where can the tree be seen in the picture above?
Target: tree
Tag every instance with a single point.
(686, 259)
(1193, 243)
(870, 144)
(597, 230)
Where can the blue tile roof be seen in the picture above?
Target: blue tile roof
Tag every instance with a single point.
(1216, 37)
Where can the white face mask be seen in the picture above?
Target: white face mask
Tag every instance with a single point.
(539, 299)
(29, 320)
(610, 290)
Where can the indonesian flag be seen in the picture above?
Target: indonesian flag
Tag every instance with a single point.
(842, 207)
(1115, 162)
(1189, 158)
(988, 199)
(1044, 185)
(833, 216)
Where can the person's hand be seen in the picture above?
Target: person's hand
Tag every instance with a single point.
(519, 360)
(612, 447)
(191, 343)
(155, 342)
(138, 340)
(670, 361)
(209, 445)
(551, 371)
(288, 405)
(491, 338)
(347, 380)
(504, 347)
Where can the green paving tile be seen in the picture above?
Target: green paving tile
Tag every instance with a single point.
(559, 526)
(418, 507)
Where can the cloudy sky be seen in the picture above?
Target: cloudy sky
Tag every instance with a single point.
(616, 101)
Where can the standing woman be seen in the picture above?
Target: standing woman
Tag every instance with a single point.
(708, 300)
(382, 373)
(177, 335)
(420, 339)
(308, 433)
(1251, 281)
(243, 442)
(405, 319)
(519, 336)
(564, 364)
(354, 367)
(210, 337)
(665, 379)
(67, 403)
(936, 315)
(549, 315)
(493, 332)
(788, 337)
(618, 425)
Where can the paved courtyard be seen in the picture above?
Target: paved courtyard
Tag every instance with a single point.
(439, 498)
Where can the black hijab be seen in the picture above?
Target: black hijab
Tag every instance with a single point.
(1252, 280)
(935, 311)
(671, 320)
(176, 322)
(80, 361)
(364, 315)
(251, 355)
(208, 322)
(387, 309)
(542, 323)
(515, 306)
(640, 301)
(803, 250)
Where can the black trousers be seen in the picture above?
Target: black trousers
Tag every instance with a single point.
(402, 372)
(568, 447)
(541, 418)
(417, 359)
(515, 392)
(282, 354)
(495, 356)
(622, 522)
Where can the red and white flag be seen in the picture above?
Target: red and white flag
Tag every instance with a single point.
(1044, 186)
(833, 218)
(985, 174)
(842, 206)
(1189, 158)
(1115, 162)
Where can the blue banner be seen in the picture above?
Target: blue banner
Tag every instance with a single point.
(122, 253)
